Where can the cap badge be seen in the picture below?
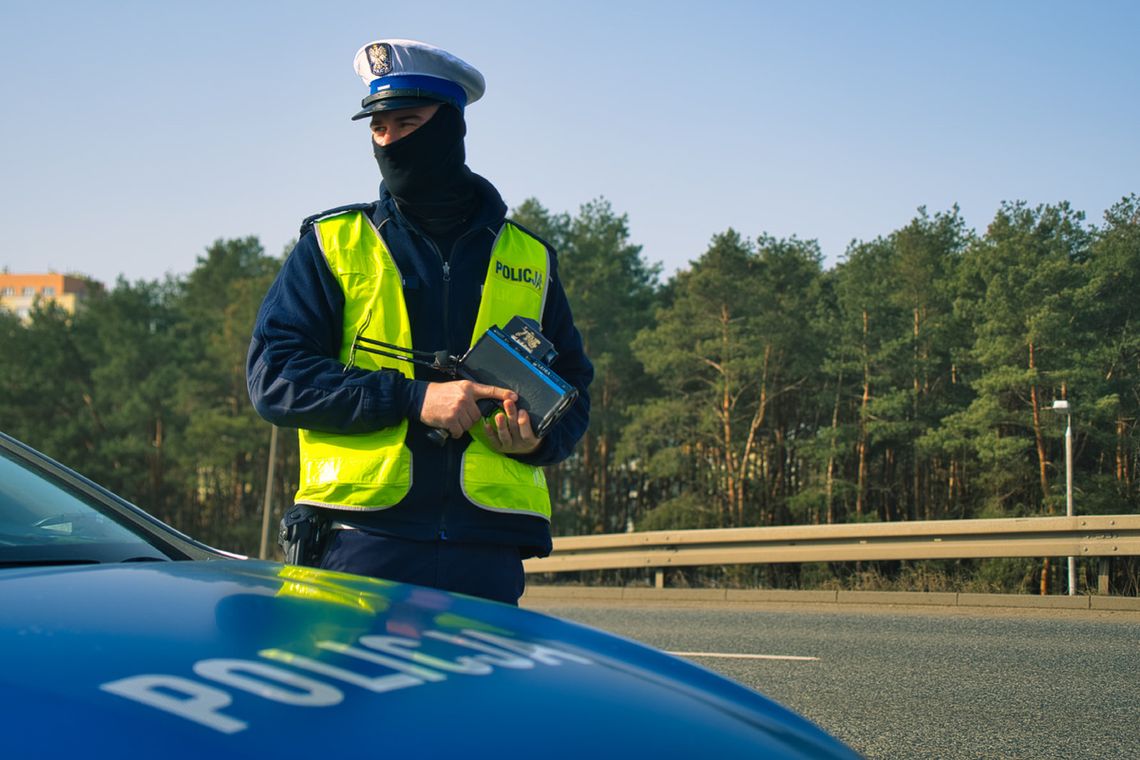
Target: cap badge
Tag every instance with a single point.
(380, 59)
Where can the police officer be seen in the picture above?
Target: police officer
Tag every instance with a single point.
(431, 266)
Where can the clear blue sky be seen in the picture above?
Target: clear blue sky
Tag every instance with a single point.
(133, 134)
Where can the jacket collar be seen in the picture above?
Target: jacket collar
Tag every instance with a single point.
(492, 209)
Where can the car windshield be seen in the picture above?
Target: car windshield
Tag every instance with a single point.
(44, 521)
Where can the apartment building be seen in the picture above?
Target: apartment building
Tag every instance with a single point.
(19, 291)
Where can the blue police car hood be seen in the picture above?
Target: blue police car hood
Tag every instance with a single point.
(247, 658)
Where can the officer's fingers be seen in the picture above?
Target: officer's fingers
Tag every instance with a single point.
(492, 435)
(440, 407)
(495, 435)
(464, 413)
(527, 441)
(526, 433)
(503, 428)
(512, 410)
(491, 391)
(468, 416)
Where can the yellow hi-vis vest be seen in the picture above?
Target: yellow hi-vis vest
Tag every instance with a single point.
(373, 471)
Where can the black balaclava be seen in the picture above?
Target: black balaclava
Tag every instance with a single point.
(426, 173)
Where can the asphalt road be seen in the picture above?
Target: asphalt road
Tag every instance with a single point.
(915, 682)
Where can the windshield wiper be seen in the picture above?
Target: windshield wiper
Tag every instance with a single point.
(66, 561)
(47, 562)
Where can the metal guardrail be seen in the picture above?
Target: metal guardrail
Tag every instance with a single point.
(1103, 536)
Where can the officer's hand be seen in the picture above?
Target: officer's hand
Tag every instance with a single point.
(453, 406)
(509, 432)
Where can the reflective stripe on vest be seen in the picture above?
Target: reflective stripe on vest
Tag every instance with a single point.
(364, 470)
(374, 470)
(516, 284)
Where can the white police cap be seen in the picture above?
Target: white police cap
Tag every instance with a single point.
(405, 73)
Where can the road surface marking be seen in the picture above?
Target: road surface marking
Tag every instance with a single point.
(731, 656)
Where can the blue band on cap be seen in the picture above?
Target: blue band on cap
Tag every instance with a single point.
(444, 88)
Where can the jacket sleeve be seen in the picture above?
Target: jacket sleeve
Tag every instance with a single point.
(573, 366)
(293, 373)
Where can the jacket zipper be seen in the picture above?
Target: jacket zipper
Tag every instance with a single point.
(450, 474)
(447, 302)
(445, 264)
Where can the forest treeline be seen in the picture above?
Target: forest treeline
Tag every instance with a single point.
(913, 380)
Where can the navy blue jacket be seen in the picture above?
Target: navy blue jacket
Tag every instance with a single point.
(296, 380)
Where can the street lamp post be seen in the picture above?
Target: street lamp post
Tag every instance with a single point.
(267, 505)
(1062, 405)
